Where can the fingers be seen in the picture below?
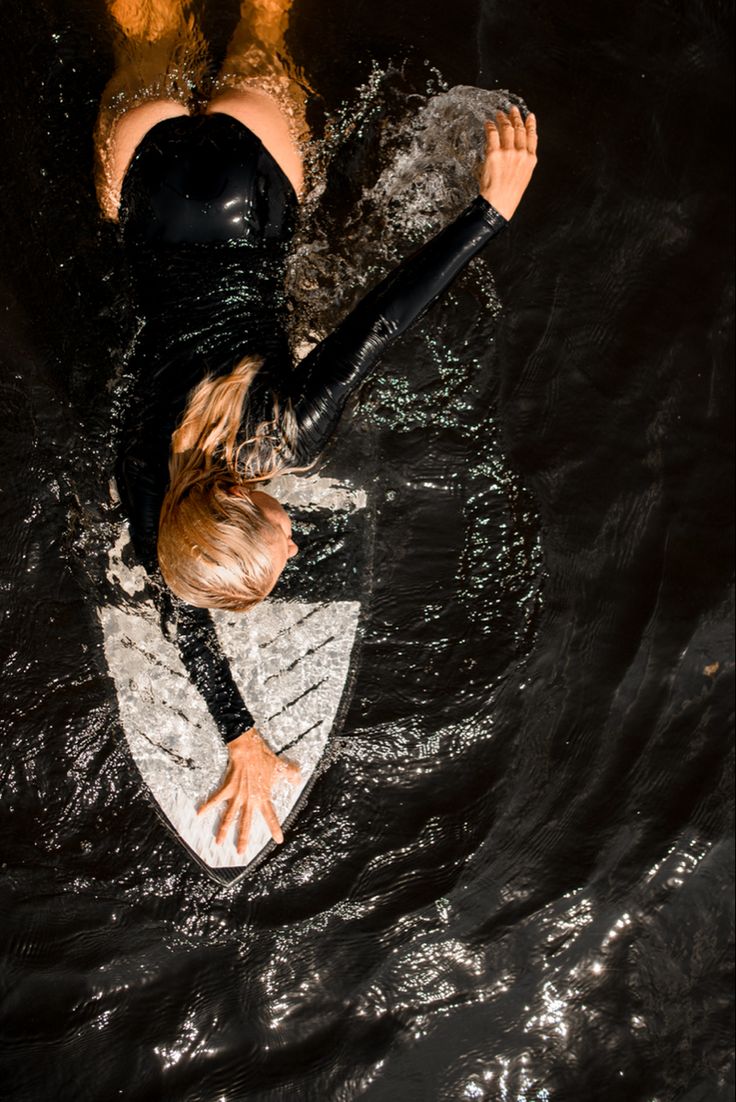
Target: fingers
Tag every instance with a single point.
(226, 821)
(505, 130)
(531, 133)
(272, 821)
(511, 131)
(519, 129)
(245, 808)
(223, 793)
(245, 793)
(493, 138)
(244, 830)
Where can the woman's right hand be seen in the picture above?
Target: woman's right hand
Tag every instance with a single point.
(510, 158)
(252, 770)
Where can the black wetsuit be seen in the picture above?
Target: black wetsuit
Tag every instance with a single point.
(207, 216)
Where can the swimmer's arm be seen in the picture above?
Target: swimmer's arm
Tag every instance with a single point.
(323, 381)
(328, 375)
(253, 768)
(207, 666)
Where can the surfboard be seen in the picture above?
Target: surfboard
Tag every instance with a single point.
(291, 659)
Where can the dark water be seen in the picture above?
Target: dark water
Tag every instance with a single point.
(514, 881)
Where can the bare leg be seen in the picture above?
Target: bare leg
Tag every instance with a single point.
(259, 85)
(160, 57)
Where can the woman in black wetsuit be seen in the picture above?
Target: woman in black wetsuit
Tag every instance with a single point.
(207, 204)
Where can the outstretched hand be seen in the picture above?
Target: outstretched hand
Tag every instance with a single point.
(510, 159)
(252, 771)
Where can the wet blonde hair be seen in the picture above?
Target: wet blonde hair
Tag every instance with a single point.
(213, 541)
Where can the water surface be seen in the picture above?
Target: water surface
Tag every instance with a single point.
(513, 882)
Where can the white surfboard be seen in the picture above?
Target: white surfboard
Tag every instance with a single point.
(290, 660)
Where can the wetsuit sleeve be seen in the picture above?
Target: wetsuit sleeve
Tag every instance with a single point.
(141, 488)
(325, 379)
(208, 667)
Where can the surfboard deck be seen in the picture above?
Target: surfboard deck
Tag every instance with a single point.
(290, 659)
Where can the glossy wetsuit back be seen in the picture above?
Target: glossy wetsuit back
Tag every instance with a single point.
(205, 178)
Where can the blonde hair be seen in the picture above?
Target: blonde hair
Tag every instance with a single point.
(213, 541)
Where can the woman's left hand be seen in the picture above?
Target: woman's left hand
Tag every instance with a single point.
(252, 770)
(510, 158)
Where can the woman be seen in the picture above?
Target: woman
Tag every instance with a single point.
(206, 200)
